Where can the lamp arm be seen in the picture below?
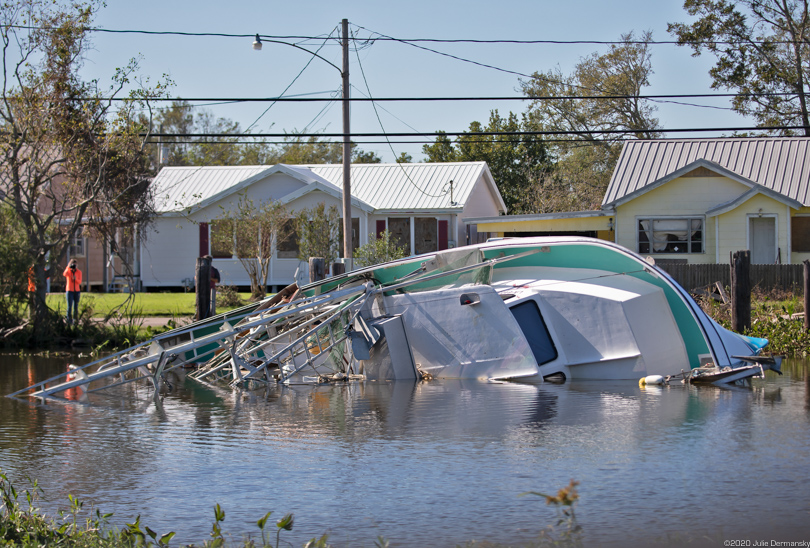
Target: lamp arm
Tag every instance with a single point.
(260, 40)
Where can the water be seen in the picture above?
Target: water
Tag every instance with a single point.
(432, 464)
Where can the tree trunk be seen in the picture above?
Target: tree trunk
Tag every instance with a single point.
(741, 291)
(317, 269)
(203, 279)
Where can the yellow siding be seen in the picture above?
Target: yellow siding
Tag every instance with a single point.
(685, 196)
(734, 233)
(585, 224)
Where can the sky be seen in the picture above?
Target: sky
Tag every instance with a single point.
(228, 67)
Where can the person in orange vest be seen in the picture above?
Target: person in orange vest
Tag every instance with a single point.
(32, 279)
(73, 288)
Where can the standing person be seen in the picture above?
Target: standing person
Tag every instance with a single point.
(73, 288)
(214, 281)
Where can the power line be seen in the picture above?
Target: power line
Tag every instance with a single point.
(390, 146)
(297, 76)
(472, 134)
(428, 134)
(300, 99)
(383, 38)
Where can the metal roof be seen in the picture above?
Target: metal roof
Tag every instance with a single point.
(409, 186)
(401, 187)
(781, 164)
(177, 188)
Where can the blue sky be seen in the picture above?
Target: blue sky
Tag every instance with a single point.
(228, 67)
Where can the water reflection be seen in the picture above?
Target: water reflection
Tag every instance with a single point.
(358, 460)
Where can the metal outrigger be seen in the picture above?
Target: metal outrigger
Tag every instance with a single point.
(277, 340)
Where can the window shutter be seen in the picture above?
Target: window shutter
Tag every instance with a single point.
(380, 227)
(442, 235)
(203, 239)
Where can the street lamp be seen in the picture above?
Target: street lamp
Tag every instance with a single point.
(347, 145)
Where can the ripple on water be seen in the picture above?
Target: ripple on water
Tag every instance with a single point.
(428, 464)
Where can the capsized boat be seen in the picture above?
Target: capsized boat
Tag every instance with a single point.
(524, 309)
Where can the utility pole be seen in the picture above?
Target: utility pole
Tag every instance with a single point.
(347, 152)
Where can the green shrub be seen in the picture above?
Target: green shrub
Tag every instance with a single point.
(378, 250)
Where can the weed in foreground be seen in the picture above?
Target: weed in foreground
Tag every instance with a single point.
(28, 527)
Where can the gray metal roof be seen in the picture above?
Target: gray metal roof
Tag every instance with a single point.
(177, 188)
(401, 187)
(780, 164)
(409, 186)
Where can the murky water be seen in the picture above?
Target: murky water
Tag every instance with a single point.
(431, 464)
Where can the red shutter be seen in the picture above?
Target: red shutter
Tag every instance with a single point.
(380, 227)
(203, 239)
(442, 235)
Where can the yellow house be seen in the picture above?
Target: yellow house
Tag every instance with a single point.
(698, 200)
(695, 201)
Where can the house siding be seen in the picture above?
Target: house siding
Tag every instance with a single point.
(735, 226)
(681, 197)
(169, 254)
(380, 192)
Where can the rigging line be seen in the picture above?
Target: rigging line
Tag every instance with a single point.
(377, 114)
(256, 121)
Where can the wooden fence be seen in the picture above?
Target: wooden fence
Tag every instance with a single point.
(764, 276)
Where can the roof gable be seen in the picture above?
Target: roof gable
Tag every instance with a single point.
(780, 165)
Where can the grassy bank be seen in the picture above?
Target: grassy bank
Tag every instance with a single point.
(110, 321)
(143, 304)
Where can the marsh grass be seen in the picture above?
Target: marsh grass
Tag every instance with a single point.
(775, 315)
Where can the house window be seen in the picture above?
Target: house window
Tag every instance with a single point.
(670, 235)
(355, 236)
(77, 243)
(800, 234)
(426, 234)
(222, 241)
(400, 229)
(247, 239)
(288, 247)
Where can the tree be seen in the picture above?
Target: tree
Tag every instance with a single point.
(763, 55)
(517, 161)
(318, 233)
(592, 111)
(378, 250)
(257, 231)
(71, 156)
(13, 268)
(183, 119)
(312, 150)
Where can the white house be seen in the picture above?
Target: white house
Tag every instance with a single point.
(422, 204)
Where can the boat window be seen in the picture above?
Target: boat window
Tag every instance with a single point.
(534, 329)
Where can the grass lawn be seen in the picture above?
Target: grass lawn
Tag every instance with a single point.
(146, 304)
